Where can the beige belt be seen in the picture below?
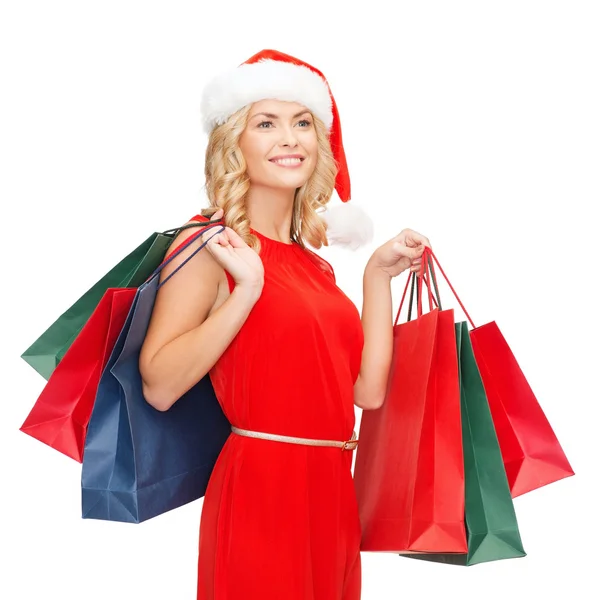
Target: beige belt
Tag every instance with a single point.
(351, 444)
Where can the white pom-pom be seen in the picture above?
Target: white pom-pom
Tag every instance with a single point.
(348, 225)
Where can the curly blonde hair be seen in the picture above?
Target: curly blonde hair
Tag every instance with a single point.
(227, 184)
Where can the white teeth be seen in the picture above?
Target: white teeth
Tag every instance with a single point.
(288, 161)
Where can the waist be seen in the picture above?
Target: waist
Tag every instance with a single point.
(350, 444)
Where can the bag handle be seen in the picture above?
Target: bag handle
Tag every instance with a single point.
(428, 276)
(434, 281)
(453, 291)
(423, 277)
(204, 228)
(177, 230)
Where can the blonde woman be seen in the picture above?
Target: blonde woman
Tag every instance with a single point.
(287, 353)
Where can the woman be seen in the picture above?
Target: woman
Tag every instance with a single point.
(286, 350)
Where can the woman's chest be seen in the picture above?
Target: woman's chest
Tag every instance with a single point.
(300, 302)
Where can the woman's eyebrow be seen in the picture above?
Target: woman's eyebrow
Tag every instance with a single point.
(273, 116)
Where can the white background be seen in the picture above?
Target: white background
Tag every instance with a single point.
(475, 123)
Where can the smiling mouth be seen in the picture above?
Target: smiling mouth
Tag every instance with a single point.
(287, 162)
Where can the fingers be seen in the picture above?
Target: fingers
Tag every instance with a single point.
(221, 240)
(423, 240)
(402, 250)
(415, 266)
(220, 247)
(228, 239)
(212, 238)
(413, 256)
(412, 238)
(218, 215)
(415, 239)
(234, 239)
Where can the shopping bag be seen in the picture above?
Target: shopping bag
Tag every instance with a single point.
(409, 474)
(491, 522)
(48, 350)
(60, 416)
(139, 462)
(532, 454)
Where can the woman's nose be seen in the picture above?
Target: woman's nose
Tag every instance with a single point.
(288, 137)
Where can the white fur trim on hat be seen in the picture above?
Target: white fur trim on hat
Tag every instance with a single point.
(348, 225)
(266, 79)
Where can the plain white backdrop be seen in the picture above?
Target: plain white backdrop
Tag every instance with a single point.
(475, 123)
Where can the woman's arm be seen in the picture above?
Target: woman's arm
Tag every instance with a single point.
(370, 387)
(400, 253)
(194, 320)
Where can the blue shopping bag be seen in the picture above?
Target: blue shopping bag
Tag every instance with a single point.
(139, 462)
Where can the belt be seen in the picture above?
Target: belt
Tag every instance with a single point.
(351, 444)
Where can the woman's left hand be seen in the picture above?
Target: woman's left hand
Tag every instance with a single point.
(402, 252)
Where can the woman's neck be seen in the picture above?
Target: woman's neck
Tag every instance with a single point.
(270, 211)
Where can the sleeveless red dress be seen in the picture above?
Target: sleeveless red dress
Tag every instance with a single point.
(280, 521)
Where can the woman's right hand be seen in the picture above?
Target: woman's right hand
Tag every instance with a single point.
(235, 256)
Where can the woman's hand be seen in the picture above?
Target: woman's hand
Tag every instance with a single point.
(402, 252)
(235, 256)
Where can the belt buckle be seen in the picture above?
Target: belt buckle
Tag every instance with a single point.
(350, 445)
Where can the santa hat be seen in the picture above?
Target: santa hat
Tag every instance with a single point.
(274, 75)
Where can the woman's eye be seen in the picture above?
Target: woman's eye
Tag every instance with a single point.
(265, 124)
(304, 123)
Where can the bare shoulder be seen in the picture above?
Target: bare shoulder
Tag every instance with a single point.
(186, 299)
(183, 242)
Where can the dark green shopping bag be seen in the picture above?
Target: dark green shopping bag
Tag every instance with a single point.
(491, 523)
(47, 351)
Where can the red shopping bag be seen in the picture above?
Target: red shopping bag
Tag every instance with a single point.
(532, 454)
(409, 471)
(60, 416)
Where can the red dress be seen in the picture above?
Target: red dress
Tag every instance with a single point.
(280, 521)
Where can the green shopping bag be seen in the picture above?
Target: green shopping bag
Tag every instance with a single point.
(491, 522)
(47, 351)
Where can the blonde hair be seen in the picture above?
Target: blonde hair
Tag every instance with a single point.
(227, 184)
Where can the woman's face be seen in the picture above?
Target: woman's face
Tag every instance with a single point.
(279, 144)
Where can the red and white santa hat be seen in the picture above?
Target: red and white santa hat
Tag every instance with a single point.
(270, 74)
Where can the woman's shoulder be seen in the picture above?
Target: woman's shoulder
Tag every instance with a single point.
(186, 231)
(203, 263)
